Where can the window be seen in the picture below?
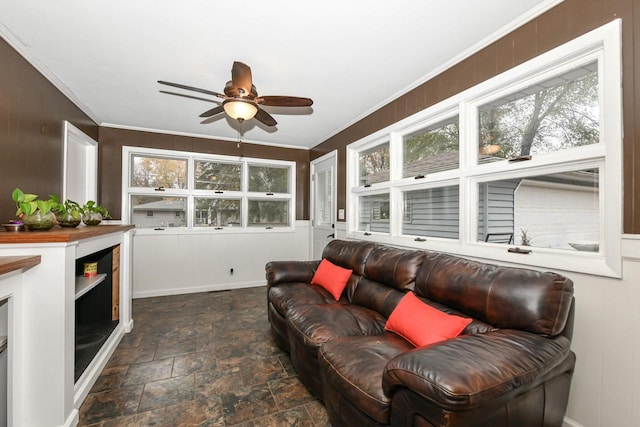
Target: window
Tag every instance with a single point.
(158, 172)
(432, 149)
(523, 168)
(557, 114)
(218, 176)
(198, 191)
(374, 165)
(433, 212)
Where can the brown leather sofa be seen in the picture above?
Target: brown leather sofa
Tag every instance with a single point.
(511, 366)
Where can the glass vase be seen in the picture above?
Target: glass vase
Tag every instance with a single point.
(92, 218)
(70, 219)
(39, 222)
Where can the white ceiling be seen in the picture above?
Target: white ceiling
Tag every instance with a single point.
(349, 56)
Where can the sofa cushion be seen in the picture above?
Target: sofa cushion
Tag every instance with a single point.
(287, 295)
(313, 325)
(331, 277)
(505, 297)
(352, 369)
(421, 324)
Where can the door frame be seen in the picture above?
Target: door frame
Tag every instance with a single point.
(334, 193)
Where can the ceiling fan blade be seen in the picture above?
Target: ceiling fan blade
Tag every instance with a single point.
(284, 101)
(212, 112)
(184, 95)
(181, 86)
(241, 78)
(265, 118)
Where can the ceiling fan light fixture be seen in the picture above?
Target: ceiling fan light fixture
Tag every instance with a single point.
(240, 109)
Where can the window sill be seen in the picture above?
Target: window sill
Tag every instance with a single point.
(592, 263)
(148, 231)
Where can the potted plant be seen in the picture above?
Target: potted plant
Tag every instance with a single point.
(93, 213)
(36, 214)
(69, 213)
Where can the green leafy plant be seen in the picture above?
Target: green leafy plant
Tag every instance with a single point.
(69, 207)
(69, 213)
(92, 206)
(28, 204)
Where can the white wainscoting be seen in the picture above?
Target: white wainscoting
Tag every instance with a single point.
(186, 262)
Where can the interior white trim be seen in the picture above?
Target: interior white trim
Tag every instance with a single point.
(201, 136)
(24, 51)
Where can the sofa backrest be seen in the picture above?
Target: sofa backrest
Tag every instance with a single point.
(388, 273)
(505, 297)
(348, 254)
(394, 267)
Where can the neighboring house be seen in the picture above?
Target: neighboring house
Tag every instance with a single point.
(168, 213)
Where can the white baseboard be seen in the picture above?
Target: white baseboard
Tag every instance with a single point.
(73, 419)
(193, 290)
(568, 422)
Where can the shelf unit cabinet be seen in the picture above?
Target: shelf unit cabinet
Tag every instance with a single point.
(45, 385)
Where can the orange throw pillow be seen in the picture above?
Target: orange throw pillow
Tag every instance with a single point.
(421, 324)
(331, 277)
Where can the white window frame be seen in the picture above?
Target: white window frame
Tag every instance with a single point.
(602, 44)
(190, 193)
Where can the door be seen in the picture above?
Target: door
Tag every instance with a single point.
(80, 176)
(323, 196)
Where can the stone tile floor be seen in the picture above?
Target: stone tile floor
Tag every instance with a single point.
(203, 359)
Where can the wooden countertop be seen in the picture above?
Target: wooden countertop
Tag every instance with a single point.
(12, 263)
(61, 234)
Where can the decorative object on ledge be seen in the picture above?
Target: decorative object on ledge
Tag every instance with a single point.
(36, 214)
(14, 226)
(69, 214)
(93, 213)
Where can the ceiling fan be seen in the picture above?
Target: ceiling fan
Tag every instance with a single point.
(241, 100)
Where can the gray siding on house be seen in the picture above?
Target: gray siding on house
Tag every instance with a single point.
(495, 207)
(374, 214)
(433, 212)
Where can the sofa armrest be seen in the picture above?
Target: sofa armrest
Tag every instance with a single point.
(290, 271)
(471, 370)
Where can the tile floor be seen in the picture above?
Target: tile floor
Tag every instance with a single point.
(202, 359)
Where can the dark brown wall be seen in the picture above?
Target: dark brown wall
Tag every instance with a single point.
(565, 22)
(32, 112)
(112, 140)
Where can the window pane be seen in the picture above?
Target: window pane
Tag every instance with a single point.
(217, 176)
(217, 213)
(154, 172)
(374, 213)
(323, 203)
(559, 211)
(432, 212)
(432, 149)
(268, 179)
(374, 165)
(560, 113)
(155, 211)
(270, 213)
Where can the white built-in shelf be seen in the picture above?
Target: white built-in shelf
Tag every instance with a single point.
(85, 284)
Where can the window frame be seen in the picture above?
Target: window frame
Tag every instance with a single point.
(191, 193)
(602, 45)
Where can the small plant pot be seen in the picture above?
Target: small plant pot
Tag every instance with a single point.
(38, 221)
(92, 218)
(71, 219)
